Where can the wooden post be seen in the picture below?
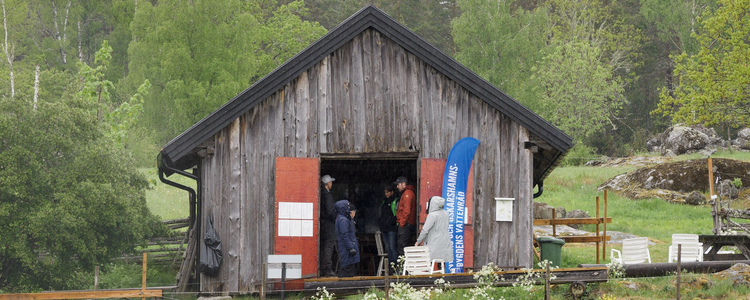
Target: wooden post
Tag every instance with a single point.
(710, 178)
(679, 267)
(143, 281)
(714, 202)
(604, 242)
(283, 278)
(386, 283)
(96, 277)
(597, 229)
(263, 282)
(554, 229)
(546, 283)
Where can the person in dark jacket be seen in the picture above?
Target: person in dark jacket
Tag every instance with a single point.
(347, 239)
(327, 226)
(387, 222)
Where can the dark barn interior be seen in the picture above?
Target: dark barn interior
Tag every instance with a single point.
(362, 182)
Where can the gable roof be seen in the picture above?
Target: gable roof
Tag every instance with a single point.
(177, 152)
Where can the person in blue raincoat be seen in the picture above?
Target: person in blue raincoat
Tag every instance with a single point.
(347, 239)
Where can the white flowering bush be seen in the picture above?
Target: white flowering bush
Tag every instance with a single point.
(398, 265)
(441, 286)
(616, 270)
(404, 291)
(485, 280)
(530, 277)
(322, 294)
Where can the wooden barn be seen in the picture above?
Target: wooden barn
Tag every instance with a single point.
(368, 102)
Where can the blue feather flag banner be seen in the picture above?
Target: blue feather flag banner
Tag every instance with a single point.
(455, 181)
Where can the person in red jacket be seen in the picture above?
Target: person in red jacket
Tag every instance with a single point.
(406, 214)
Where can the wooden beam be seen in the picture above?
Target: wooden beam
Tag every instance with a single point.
(585, 239)
(572, 221)
(100, 294)
(462, 280)
(371, 156)
(668, 269)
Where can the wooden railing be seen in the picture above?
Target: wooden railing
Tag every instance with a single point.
(166, 249)
(143, 292)
(603, 238)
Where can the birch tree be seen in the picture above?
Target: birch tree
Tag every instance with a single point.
(8, 50)
(62, 37)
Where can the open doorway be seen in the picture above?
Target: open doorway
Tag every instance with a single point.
(361, 180)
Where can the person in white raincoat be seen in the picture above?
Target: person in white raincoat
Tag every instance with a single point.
(435, 231)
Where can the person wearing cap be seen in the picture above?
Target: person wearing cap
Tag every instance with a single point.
(327, 226)
(347, 238)
(435, 231)
(406, 214)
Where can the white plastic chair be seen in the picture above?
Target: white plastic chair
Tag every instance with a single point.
(634, 251)
(692, 250)
(417, 260)
(441, 266)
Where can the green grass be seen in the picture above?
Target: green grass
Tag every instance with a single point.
(167, 201)
(718, 154)
(576, 188)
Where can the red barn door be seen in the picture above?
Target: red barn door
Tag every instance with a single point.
(296, 210)
(431, 184)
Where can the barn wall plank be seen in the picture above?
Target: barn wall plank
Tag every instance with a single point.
(324, 109)
(235, 241)
(525, 198)
(377, 124)
(301, 115)
(249, 211)
(512, 144)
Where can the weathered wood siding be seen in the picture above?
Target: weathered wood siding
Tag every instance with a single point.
(368, 96)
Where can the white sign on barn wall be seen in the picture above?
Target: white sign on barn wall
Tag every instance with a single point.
(295, 219)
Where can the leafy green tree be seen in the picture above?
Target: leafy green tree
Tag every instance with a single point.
(70, 198)
(581, 93)
(97, 90)
(200, 54)
(501, 43)
(595, 22)
(592, 57)
(675, 21)
(712, 87)
(430, 19)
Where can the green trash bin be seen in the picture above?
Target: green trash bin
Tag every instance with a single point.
(551, 249)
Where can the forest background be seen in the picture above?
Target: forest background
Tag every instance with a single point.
(90, 90)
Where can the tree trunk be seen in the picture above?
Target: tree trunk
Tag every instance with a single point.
(8, 54)
(36, 86)
(62, 38)
(80, 53)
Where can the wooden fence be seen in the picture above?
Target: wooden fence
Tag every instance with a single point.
(168, 249)
(603, 238)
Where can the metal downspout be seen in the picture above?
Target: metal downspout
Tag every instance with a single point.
(195, 199)
(541, 189)
(188, 189)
